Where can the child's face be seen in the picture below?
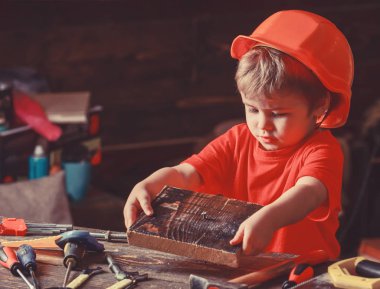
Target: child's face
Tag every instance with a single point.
(280, 121)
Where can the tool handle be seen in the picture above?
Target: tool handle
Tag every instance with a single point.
(367, 268)
(27, 257)
(313, 258)
(78, 281)
(300, 273)
(8, 259)
(73, 253)
(121, 284)
(13, 227)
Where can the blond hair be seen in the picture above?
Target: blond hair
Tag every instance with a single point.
(263, 71)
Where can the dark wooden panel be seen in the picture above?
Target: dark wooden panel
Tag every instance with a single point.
(164, 270)
(193, 224)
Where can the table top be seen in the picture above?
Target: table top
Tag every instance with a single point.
(164, 270)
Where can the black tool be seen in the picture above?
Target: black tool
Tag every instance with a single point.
(27, 257)
(125, 278)
(75, 244)
(8, 259)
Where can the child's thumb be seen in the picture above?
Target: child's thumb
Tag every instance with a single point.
(238, 238)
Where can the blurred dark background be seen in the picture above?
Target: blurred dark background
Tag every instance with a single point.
(162, 72)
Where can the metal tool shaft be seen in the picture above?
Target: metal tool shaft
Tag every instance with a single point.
(30, 285)
(34, 278)
(68, 270)
(109, 236)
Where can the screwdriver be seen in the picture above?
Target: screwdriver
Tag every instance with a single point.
(74, 245)
(300, 273)
(8, 259)
(27, 257)
(73, 254)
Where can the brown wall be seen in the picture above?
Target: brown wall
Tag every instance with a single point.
(161, 69)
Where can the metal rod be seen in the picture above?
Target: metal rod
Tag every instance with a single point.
(67, 274)
(31, 286)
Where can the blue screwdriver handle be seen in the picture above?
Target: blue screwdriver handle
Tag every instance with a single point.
(27, 257)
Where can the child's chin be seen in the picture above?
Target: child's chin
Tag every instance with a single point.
(270, 147)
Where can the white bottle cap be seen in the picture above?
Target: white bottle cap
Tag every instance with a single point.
(39, 151)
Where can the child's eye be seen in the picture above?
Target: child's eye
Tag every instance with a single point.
(252, 110)
(279, 114)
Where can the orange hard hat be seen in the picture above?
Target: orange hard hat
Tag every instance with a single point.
(318, 44)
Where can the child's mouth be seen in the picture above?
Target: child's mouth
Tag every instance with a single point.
(267, 139)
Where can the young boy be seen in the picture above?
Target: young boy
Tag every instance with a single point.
(294, 76)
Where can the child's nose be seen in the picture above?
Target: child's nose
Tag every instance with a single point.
(264, 122)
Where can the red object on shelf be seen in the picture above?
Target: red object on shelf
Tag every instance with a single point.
(94, 124)
(96, 158)
(31, 112)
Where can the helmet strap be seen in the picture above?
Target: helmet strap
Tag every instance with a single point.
(322, 117)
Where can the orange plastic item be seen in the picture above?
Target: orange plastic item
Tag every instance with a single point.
(44, 243)
(54, 169)
(13, 227)
(318, 44)
(96, 158)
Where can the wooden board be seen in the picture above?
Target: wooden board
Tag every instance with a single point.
(164, 270)
(193, 224)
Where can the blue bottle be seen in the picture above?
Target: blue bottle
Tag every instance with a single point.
(38, 164)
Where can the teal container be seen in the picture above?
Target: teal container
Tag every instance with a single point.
(78, 175)
(38, 164)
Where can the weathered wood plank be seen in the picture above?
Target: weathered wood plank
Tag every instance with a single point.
(193, 224)
(165, 270)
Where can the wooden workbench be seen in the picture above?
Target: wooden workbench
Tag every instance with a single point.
(164, 270)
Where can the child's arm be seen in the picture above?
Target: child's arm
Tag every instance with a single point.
(294, 205)
(184, 176)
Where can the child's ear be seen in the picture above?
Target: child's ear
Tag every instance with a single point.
(321, 111)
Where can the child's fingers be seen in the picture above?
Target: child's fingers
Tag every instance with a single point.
(130, 215)
(238, 238)
(247, 245)
(145, 204)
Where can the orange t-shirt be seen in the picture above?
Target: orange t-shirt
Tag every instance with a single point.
(234, 165)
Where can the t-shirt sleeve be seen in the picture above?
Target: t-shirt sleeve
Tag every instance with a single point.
(325, 163)
(213, 164)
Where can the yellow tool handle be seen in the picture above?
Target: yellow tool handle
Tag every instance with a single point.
(121, 284)
(78, 281)
(342, 275)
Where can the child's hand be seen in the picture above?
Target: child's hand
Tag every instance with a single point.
(255, 233)
(139, 199)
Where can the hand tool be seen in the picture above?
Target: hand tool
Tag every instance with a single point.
(83, 277)
(125, 278)
(300, 273)
(314, 257)
(27, 258)
(48, 243)
(18, 227)
(75, 244)
(355, 273)
(8, 259)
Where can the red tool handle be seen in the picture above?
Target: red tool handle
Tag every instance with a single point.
(8, 259)
(313, 258)
(299, 274)
(13, 227)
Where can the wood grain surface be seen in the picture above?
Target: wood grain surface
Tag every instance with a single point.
(164, 270)
(193, 224)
